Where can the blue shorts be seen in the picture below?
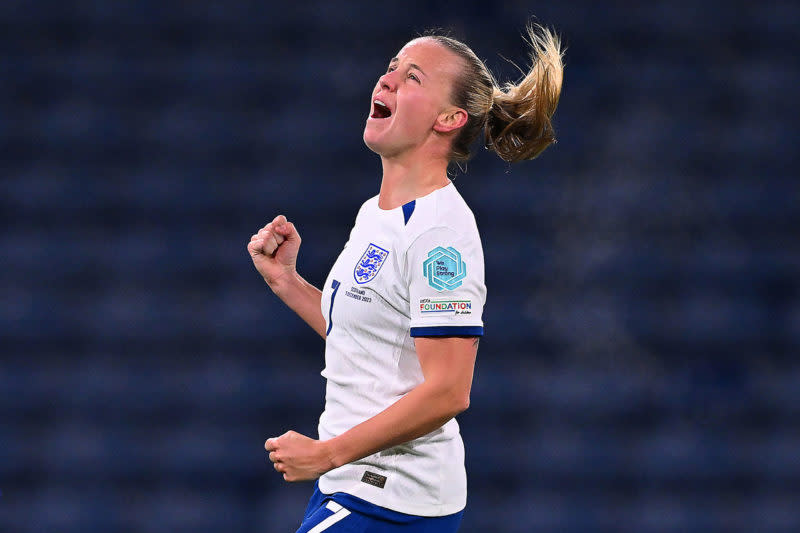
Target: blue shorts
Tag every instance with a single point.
(340, 513)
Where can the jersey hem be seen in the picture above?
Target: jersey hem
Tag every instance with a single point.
(426, 510)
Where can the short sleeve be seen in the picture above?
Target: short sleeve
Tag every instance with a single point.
(446, 283)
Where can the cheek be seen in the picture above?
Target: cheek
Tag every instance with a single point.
(421, 110)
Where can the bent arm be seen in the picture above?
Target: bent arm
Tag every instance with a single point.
(447, 365)
(274, 252)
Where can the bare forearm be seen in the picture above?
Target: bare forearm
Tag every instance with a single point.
(302, 298)
(419, 412)
(447, 366)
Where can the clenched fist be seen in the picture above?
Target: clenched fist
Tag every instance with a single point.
(297, 457)
(274, 250)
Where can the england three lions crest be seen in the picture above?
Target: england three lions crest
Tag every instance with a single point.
(370, 263)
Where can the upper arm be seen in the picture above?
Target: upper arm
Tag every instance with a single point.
(445, 276)
(448, 363)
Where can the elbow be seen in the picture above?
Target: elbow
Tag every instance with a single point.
(459, 403)
(449, 400)
(464, 405)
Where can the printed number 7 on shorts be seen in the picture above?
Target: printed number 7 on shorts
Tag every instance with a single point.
(339, 513)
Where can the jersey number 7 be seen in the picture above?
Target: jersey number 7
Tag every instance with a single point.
(335, 287)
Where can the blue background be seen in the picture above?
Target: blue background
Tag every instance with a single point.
(640, 369)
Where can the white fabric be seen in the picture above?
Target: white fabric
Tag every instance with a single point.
(394, 277)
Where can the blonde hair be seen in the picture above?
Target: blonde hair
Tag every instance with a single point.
(516, 119)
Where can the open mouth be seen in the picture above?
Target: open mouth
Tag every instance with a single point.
(380, 110)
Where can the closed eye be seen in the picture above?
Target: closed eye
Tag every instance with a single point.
(411, 75)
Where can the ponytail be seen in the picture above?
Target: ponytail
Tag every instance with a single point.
(519, 125)
(516, 119)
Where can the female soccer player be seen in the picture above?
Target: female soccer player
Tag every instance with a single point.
(401, 309)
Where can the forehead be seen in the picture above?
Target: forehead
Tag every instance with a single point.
(436, 60)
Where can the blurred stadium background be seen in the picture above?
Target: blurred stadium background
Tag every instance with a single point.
(640, 371)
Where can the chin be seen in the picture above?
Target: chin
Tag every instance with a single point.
(371, 142)
(385, 143)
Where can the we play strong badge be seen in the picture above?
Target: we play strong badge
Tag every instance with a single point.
(444, 268)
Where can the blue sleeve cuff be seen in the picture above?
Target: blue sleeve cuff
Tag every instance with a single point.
(448, 331)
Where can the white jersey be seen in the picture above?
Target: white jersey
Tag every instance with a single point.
(413, 271)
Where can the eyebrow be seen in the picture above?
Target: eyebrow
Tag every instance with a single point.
(412, 65)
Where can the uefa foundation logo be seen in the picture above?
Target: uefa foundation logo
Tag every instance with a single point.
(444, 268)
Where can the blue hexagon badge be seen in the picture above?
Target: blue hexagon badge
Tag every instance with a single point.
(370, 263)
(444, 268)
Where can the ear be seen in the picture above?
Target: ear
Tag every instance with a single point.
(450, 120)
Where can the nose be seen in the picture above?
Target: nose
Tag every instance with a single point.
(387, 81)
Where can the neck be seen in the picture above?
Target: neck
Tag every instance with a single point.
(408, 179)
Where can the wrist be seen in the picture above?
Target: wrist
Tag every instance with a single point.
(330, 453)
(282, 284)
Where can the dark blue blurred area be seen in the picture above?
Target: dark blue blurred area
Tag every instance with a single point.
(640, 371)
